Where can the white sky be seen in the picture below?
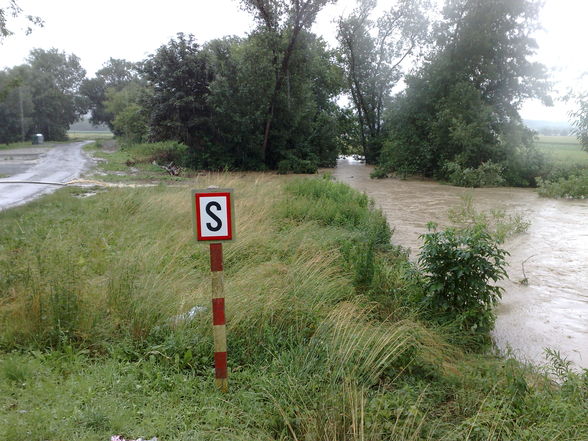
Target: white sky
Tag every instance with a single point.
(133, 29)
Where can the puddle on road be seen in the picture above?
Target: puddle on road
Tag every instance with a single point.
(552, 310)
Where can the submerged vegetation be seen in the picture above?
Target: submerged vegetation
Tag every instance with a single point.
(331, 332)
(575, 186)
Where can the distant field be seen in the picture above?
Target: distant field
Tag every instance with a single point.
(73, 135)
(567, 140)
(562, 150)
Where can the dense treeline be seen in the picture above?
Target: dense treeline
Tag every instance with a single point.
(458, 117)
(272, 100)
(41, 96)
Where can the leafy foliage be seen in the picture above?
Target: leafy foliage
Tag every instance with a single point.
(580, 120)
(281, 22)
(462, 106)
(487, 174)
(461, 266)
(11, 10)
(41, 96)
(214, 100)
(179, 76)
(574, 186)
(371, 55)
(114, 76)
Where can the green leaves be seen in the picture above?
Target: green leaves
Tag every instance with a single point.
(462, 106)
(460, 266)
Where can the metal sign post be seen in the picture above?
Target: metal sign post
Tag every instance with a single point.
(214, 222)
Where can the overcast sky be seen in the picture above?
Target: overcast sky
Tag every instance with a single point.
(133, 29)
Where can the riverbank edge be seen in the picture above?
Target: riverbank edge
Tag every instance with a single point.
(322, 357)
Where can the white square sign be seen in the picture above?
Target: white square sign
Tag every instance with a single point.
(213, 214)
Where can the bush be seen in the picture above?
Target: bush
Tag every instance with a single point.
(398, 159)
(523, 165)
(573, 187)
(459, 266)
(297, 165)
(496, 221)
(160, 152)
(487, 174)
(378, 173)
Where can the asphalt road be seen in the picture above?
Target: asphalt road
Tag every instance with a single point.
(62, 163)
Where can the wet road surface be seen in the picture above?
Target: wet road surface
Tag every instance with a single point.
(61, 163)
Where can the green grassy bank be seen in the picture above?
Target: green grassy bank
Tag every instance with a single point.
(327, 340)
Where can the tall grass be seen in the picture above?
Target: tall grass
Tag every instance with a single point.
(325, 340)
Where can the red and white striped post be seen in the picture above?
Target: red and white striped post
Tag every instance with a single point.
(214, 222)
(218, 317)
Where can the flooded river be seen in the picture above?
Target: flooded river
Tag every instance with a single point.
(552, 310)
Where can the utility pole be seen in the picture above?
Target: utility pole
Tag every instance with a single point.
(22, 130)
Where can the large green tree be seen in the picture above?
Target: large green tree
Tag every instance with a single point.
(304, 131)
(461, 109)
(282, 22)
(114, 76)
(55, 80)
(372, 53)
(16, 106)
(41, 96)
(214, 99)
(178, 76)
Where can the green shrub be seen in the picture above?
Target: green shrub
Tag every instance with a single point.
(336, 204)
(159, 152)
(402, 161)
(297, 165)
(573, 187)
(460, 266)
(487, 174)
(378, 173)
(500, 224)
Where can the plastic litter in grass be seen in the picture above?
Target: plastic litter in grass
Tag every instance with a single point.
(190, 315)
(120, 438)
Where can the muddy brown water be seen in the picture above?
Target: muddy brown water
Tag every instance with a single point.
(552, 310)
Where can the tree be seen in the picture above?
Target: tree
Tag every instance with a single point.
(41, 96)
(281, 21)
(178, 76)
(16, 104)
(462, 106)
(12, 10)
(128, 118)
(115, 75)
(580, 119)
(55, 81)
(372, 53)
(305, 131)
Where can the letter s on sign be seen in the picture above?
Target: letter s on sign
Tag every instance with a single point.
(214, 217)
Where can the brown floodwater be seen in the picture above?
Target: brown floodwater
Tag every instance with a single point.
(552, 310)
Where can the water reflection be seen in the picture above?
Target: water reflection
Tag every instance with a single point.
(552, 310)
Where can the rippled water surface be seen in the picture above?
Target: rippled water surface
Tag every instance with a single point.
(552, 310)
